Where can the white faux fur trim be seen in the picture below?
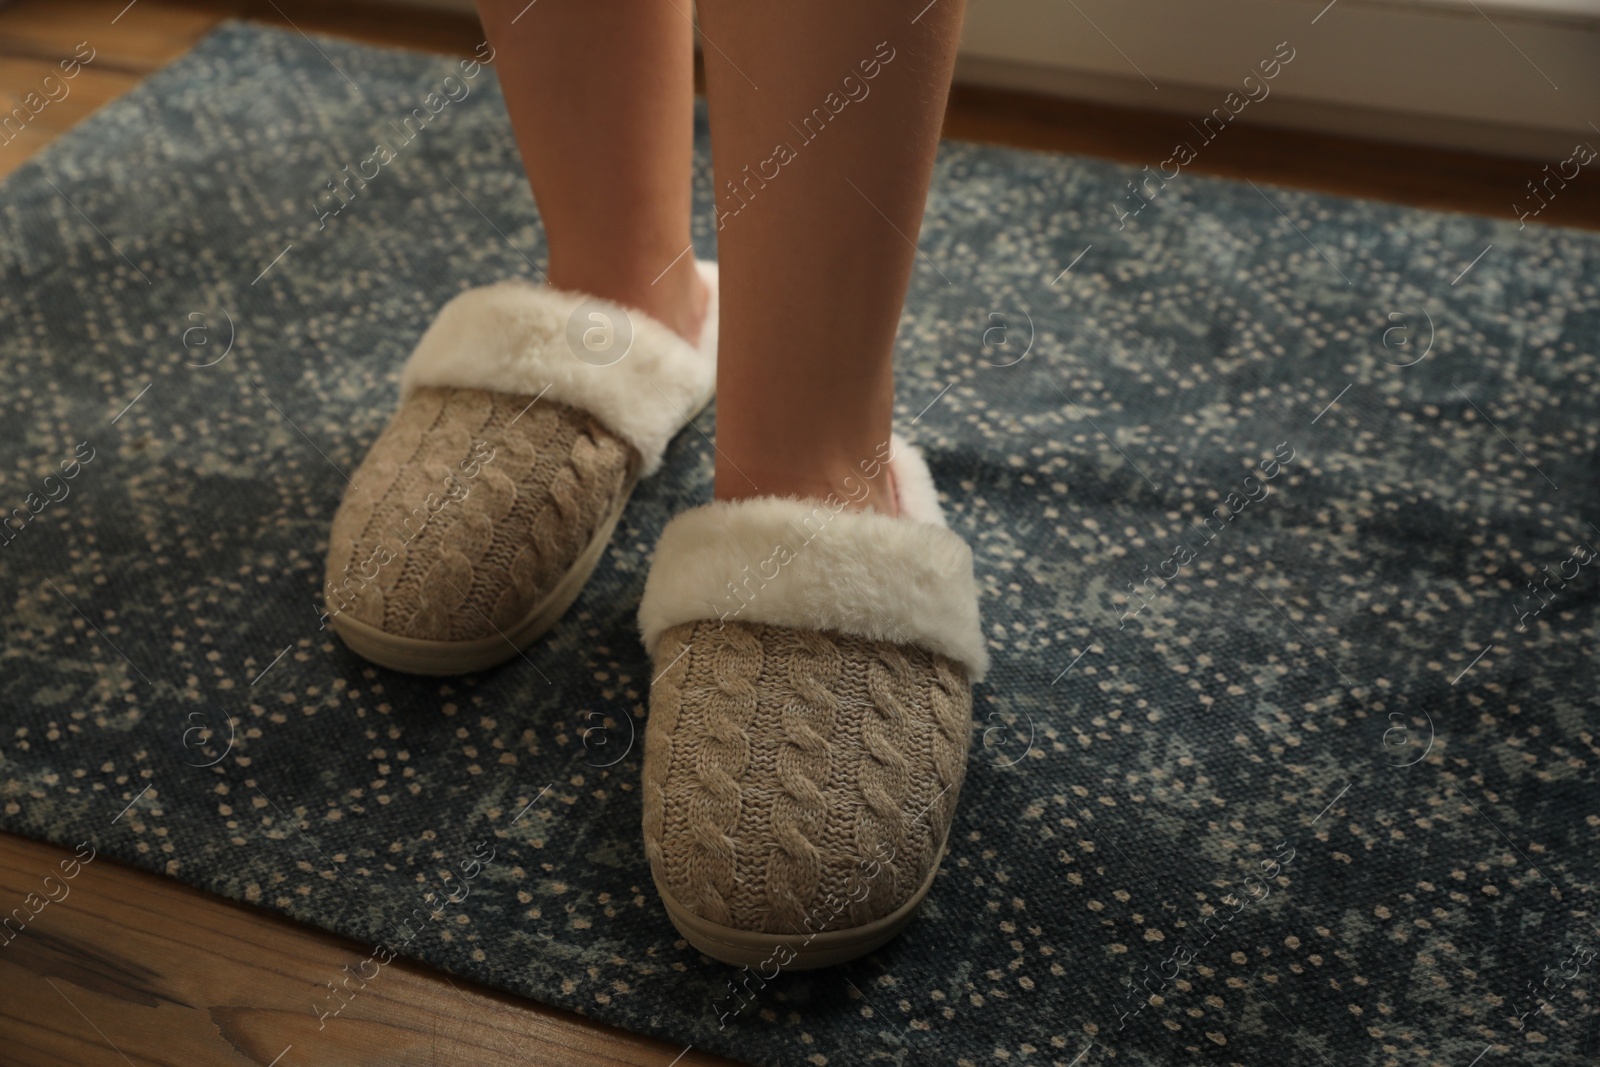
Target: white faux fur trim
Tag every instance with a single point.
(810, 564)
(914, 490)
(512, 337)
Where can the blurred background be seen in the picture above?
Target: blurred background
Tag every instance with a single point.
(1435, 103)
(1519, 77)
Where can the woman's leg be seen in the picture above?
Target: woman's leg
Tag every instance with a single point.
(825, 119)
(601, 97)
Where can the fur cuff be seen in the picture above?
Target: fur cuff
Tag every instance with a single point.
(517, 337)
(810, 564)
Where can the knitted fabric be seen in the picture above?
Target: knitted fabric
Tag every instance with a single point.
(798, 780)
(469, 508)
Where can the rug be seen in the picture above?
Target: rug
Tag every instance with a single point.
(1283, 511)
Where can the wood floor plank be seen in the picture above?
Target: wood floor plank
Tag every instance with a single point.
(36, 38)
(128, 964)
(138, 38)
(20, 148)
(74, 100)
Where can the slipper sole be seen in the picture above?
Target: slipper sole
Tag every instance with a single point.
(748, 948)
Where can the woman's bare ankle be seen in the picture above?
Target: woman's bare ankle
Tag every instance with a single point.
(691, 322)
(865, 486)
(678, 299)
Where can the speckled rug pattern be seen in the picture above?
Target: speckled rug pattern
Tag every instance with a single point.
(1282, 506)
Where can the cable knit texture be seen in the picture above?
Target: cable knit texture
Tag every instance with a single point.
(799, 780)
(468, 510)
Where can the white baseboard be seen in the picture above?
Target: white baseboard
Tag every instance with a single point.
(1518, 77)
(1317, 116)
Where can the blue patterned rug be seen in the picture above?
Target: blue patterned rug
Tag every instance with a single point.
(1282, 507)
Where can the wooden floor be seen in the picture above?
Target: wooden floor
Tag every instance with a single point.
(128, 968)
(132, 969)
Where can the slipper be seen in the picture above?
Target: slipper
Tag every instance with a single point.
(809, 720)
(527, 414)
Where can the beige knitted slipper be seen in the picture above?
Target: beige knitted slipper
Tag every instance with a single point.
(809, 720)
(526, 416)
